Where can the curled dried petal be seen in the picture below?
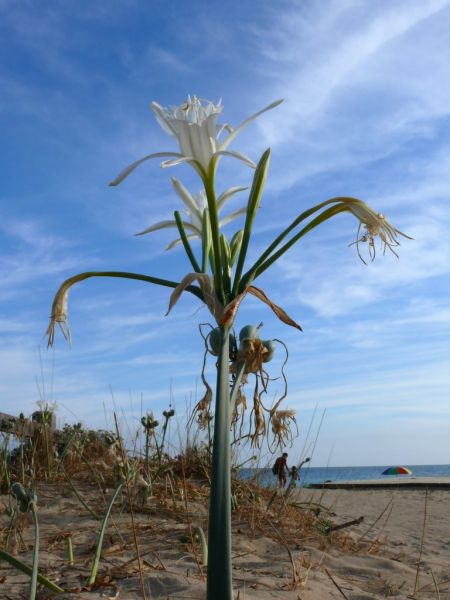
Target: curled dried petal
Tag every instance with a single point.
(59, 315)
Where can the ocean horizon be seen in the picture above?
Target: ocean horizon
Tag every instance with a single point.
(321, 474)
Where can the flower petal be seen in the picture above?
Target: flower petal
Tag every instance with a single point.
(165, 225)
(123, 174)
(191, 236)
(162, 118)
(232, 216)
(237, 155)
(227, 194)
(186, 197)
(234, 133)
(184, 159)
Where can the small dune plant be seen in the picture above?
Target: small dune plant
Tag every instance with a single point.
(220, 276)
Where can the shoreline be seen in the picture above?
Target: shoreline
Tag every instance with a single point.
(442, 483)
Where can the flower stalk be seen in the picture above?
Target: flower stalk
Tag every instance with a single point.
(201, 144)
(219, 581)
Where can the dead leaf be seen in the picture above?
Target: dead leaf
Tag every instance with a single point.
(230, 310)
(207, 287)
(281, 314)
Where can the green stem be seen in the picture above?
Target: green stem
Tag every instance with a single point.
(161, 447)
(203, 546)
(22, 463)
(206, 240)
(98, 550)
(69, 550)
(34, 572)
(47, 450)
(214, 220)
(219, 581)
(147, 448)
(186, 243)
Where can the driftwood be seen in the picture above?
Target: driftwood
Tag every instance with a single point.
(357, 521)
(21, 427)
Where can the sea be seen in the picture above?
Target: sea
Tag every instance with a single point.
(321, 474)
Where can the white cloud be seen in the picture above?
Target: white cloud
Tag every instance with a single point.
(402, 389)
(367, 103)
(358, 83)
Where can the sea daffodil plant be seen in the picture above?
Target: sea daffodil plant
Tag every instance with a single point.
(218, 279)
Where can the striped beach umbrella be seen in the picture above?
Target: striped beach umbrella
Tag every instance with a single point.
(397, 471)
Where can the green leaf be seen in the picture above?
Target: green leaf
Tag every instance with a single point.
(324, 216)
(250, 274)
(235, 245)
(18, 564)
(226, 260)
(186, 243)
(206, 240)
(98, 550)
(252, 207)
(214, 223)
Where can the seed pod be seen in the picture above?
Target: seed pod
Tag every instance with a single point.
(214, 341)
(271, 347)
(249, 331)
(19, 493)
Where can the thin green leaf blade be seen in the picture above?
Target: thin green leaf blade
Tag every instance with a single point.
(252, 207)
(21, 566)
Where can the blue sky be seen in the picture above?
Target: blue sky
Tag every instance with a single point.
(366, 113)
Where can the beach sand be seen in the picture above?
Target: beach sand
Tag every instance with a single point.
(273, 558)
(394, 538)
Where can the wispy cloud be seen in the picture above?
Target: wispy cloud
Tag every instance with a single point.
(366, 113)
(356, 82)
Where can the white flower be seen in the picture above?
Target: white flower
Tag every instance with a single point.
(194, 125)
(195, 208)
(375, 225)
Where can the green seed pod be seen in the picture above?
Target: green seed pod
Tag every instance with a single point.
(271, 347)
(214, 341)
(232, 346)
(19, 493)
(249, 331)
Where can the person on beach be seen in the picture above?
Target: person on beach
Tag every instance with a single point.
(294, 475)
(281, 469)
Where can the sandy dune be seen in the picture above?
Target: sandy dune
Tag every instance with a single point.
(376, 558)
